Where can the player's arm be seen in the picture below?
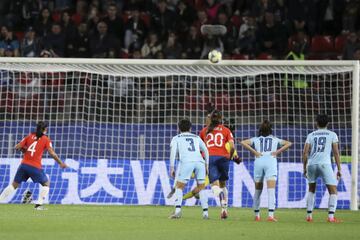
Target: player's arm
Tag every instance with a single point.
(335, 149)
(205, 151)
(56, 158)
(285, 145)
(305, 156)
(173, 153)
(21, 145)
(247, 144)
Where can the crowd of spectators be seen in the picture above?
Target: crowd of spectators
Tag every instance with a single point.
(170, 29)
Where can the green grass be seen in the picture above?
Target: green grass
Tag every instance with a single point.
(150, 222)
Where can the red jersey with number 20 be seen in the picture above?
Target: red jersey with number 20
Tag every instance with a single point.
(215, 141)
(34, 149)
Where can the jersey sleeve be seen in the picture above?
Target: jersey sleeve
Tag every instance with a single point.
(23, 141)
(229, 135)
(204, 149)
(252, 140)
(308, 139)
(335, 138)
(173, 152)
(202, 134)
(48, 143)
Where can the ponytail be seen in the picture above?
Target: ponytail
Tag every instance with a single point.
(40, 127)
(265, 128)
(215, 120)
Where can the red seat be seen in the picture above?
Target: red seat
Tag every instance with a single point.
(19, 35)
(264, 56)
(322, 44)
(340, 43)
(240, 57)
(236, 20)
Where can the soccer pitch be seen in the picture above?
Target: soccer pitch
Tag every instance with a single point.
(150, 222)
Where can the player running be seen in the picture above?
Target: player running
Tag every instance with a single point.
(216, 135)
(265, 149)
(33, 147)
(317, 163)
(188, 148)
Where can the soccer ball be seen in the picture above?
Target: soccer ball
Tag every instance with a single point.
(215, 56)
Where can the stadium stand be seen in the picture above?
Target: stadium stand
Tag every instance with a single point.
(123, 28)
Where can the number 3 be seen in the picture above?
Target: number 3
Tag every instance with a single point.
(31, 148)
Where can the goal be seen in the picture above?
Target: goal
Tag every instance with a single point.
(112, 122)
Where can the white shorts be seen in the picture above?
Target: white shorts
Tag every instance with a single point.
(186, 170)
(324, 171)
(265, 167)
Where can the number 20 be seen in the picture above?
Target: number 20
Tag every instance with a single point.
(215, 140)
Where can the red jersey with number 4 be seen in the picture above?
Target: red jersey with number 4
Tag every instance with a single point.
(34, 149)
(216, 140)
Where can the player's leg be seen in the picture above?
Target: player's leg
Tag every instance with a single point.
(171, 193)
(258, 178)
(192, 192)
(271, 176)
(20, 176)
(214, 176)
(271, 184)
(183, 177)
(223, 166)
(331, 184)
(39, 176)
(312, 175)
(200, 174)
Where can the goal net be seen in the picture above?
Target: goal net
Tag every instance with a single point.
(112, 121)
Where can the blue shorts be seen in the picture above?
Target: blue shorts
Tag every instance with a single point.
(25, 172)
(324, 171)
(185, 171)
(265, 167)
(218, 168)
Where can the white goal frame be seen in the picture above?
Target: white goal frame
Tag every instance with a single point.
(134, 62)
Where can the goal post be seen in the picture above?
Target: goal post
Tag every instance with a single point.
(112, 121)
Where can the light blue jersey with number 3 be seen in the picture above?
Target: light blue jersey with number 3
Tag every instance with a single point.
(187, 147)
(321, 142)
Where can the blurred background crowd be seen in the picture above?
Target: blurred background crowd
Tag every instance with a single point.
(256, 29)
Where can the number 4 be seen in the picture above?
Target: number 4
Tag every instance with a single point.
(31, 148)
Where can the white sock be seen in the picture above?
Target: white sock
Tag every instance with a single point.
(204, 200)
(44, 191)
(7, 192)
(271, 201)
(178, 201)
(226, 197)
(257, 201)
(310, 203)
(218, 193)
(332, 205)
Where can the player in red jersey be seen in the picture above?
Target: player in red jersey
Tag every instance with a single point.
(33, 147)
(215, 136)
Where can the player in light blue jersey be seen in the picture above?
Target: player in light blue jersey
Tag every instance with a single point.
(265, 147)
(188, 148)
(317, 163)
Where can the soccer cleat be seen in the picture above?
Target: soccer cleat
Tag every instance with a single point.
(39, 207)
(257, 219)
(224, 214)
(309, 219)
(272, 219)
(334, 220)
(206, 217)
(171, 193)
(175, 216)
(27, 197)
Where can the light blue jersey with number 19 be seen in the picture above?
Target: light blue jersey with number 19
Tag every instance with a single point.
(321, 142)
(187, 147)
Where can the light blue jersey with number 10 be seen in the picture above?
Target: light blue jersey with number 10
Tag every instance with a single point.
(187, 147)
(321, 142)
(266, 145)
